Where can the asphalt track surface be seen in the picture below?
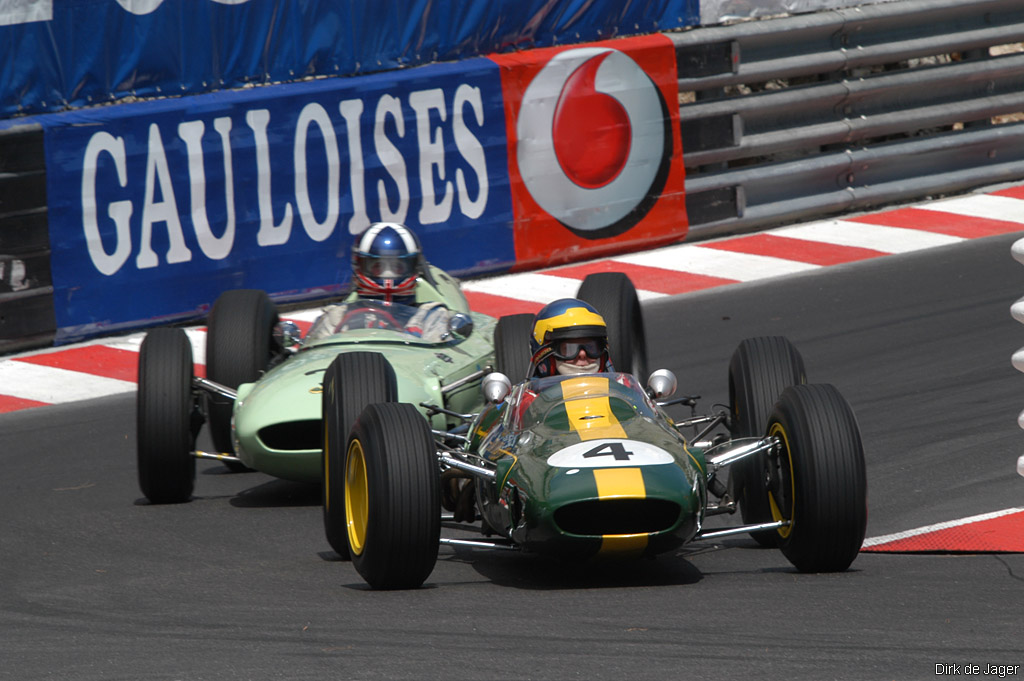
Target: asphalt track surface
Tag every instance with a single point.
(240, 584)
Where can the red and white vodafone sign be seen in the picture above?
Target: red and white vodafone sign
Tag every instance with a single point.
(591, 139)
(595, 159)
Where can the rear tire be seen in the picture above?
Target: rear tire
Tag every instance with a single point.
(353, 380)
(818, 481)
(615, 298)
(393, 499)
(239, 347)
(166, 418)
(512, 346)
(760, 369)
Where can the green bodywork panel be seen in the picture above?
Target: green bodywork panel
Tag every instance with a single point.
(583, 463)
(278, 424)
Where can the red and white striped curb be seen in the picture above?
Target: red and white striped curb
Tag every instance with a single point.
(108, 366)
(997, 532)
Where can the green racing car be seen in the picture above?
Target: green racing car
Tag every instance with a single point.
(589, 466)
(261, 396)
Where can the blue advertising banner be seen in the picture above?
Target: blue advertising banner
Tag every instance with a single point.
(78, 53)
(156, 207)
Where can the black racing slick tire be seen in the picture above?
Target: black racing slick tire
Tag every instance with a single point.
(392, 497)
(818, 479)
(239, 346)
(760, 369)
(512, 346)
(615, 298)
(353, 380)
(166, 417)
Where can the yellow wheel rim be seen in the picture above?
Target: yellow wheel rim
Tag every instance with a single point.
(777, 513)
(356, 497)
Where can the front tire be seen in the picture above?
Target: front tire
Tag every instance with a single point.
(166, 418)
(615, 298)
(353, 380)
(760, 369)
(818, 479)
(392, 497)
(239, 347)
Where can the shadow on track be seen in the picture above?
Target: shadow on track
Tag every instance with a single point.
(539, 573)
(278, 494)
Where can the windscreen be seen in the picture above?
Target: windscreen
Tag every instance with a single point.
(586, 404)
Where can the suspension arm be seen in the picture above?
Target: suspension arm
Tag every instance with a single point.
(472, 469)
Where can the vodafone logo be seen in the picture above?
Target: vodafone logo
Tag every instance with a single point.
(594, 141)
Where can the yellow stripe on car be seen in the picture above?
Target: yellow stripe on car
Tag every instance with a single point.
(590, 417)
(700, 466)
(623, 543)
(621, 483)
(618, 483)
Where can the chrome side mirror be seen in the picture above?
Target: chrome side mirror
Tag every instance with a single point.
(496, 387)
(286, 334)
(460, 325)
(662, 383)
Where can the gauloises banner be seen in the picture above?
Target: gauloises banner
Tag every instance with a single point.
(157, 207)
(595, 157)
(496, 163)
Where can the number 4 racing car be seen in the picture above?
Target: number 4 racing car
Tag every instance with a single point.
(585, 466)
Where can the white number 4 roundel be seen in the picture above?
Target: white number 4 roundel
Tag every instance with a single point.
(608, 453)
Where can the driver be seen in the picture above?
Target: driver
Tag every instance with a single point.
(569, 338)
(387, 264)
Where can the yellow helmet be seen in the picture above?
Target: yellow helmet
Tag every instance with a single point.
(561, 330)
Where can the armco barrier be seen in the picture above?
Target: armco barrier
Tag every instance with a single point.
(1017, 311)
(26, 293)
(847, 109)
(718, 11)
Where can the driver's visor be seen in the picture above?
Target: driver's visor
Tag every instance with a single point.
(570, 348)
(386, 266)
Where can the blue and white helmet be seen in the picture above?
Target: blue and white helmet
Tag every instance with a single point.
(386, 261)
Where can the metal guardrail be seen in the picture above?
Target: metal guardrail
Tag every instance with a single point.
(818, 114)
(1017, 311)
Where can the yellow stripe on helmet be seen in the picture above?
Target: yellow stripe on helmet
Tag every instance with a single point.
(574, 316)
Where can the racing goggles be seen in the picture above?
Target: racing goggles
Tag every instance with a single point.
(570, 349)
(387, 266)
